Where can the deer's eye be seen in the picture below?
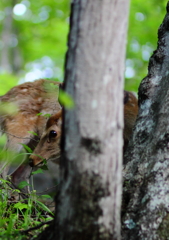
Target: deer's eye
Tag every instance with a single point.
(52, 134)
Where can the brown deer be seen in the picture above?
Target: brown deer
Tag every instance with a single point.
(26, 125)
(130, 115)
(48, 147)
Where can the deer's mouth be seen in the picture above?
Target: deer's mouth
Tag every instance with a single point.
(37, 164)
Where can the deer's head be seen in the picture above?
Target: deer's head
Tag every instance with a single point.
(48, 147)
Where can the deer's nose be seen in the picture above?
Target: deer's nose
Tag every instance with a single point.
(31, 162)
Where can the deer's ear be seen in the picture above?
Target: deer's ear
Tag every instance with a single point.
(54, 119)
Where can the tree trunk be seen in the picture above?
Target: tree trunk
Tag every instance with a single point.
(10, 58)
(146, 175)
(89, 201)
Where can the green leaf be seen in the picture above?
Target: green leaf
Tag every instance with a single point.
(33, 133)
(46, 196)
(45, 208)
(44, 167)
(23, 184)
(28, 149)
(20, 206)
(65, 99)
(3, 181)
(39, 114)
(8, 108)
(37, 171)
(54, 85)
(47, 115)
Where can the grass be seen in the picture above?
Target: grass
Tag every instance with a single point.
(22, 216)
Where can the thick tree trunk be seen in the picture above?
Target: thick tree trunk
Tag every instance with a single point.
(89, 201)
(146, 180)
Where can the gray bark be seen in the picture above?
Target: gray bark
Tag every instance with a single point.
(10, 59)
(89, 200)
(146, 170)
(6, 37)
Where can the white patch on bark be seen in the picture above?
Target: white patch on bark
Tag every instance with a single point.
(94, 104)
(106, 218)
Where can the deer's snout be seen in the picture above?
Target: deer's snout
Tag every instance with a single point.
(34, 161)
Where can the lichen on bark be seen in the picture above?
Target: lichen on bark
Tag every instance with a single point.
(146, 175)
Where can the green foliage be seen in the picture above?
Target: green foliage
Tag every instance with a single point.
(28, 149)
(144, 21)
(37, 41)
(39, 170)
(41, 39)
(47, 115)
(18, 217)
(8, 108)
(7, 81)
(23, 184)
(33, 133)
(66, 100)
(18, 214)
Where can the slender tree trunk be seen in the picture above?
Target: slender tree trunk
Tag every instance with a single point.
(10, 59)
(89, 200)
(88, 205)
(146, 181)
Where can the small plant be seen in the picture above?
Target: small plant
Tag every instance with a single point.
(22, 216)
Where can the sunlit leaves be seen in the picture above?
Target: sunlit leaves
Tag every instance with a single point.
(8, 108)
(144, 21)
(65, 99)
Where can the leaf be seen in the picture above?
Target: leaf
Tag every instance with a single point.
(46, 196)
(20, 206)
(47, 115)
(33, 133)
(3, 181)
(23, 184)
(65, 99)
(28, 149)
(37, 171)
(44, 167)
(45, 208)
(44, 161)
(39, 114)
(54, 85)
(8, 108)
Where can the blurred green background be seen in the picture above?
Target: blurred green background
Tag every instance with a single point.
(33, 40)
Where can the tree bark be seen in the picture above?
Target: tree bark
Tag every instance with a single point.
(10, 59)
(88, 204)
(146, 175)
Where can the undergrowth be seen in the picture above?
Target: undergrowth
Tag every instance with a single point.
(22, 216)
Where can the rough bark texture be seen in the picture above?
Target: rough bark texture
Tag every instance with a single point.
(89, 201)
(146, 171)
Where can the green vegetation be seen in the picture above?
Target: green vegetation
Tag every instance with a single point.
(35, 48)
(144, 21)
(38, 40)
(22, 216)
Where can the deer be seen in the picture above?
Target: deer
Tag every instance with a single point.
(130, 115)
(25, 126)
(49, 144)
(34, 98)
